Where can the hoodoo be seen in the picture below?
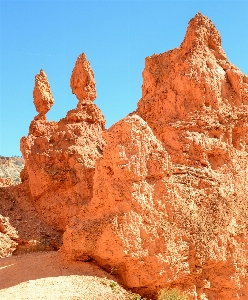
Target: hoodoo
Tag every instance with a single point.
(60, 156)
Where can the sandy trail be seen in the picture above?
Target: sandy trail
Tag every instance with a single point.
(43, 275)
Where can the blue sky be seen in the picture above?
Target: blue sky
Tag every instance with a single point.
(116, 37)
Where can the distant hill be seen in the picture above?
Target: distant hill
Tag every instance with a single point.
(10, 167)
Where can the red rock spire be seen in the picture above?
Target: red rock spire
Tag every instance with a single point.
(82, 81)
(43, 99)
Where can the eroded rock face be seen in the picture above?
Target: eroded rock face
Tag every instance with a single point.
(195, 100)
(43, 99)
(170, 191)
(60, 157)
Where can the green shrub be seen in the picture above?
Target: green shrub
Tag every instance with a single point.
(114, 286)
(134, 296)
(172, 294)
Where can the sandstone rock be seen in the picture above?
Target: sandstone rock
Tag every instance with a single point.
(82, 80)
(194, 99)
(60, 156)
(108, 229)
(43, 99)
(8, 237)
(169, 203)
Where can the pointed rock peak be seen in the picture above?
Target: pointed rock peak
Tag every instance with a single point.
(82, 81)
(201, 33)
(43, 99)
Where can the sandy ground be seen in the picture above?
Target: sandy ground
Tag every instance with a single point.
(43, 275)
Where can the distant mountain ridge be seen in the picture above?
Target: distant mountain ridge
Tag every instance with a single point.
(10, 167)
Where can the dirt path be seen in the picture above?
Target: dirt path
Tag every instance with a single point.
(43, 275)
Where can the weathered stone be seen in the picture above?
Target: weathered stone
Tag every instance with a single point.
(60, 157)
(170, 194)
(43, 99)
(82, 80)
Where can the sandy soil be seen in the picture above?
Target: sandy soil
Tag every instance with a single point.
(43, 275)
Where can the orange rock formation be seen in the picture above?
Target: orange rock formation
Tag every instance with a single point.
(43, 99)
(60, 157)
(161, 196)
(169, 203)
(82, 80)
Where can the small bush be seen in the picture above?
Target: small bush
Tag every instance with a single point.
(134, 296)
(114, 286)
(172, 294)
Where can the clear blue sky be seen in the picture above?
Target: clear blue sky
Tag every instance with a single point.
(116, 37)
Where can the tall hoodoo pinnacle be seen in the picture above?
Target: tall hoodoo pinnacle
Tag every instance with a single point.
(82, 81)
(43, 99)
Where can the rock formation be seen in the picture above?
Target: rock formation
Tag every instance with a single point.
(194, 99)
(60, 156)
(169, 204)
(43, 99)
(82, 80)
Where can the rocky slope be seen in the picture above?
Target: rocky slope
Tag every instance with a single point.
(22, 229)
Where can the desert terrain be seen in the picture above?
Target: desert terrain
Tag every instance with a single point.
(157, 202)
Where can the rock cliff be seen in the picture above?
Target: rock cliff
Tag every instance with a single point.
(169, 204)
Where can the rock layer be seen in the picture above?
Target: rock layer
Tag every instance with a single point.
(60, 157)
(169, 203)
